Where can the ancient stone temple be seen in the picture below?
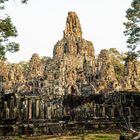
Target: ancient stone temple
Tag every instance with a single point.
(74, 59)
(71, 86)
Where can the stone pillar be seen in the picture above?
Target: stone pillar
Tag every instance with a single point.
(30, 108)
(45, 111)
(49, 111)
(94, 110)
(37, 110)
(1, 107)
(13, 113)
(17, 104)
(42, 110)
(129, 117)
(103, 111)
(97, 110)
(34, 107)
(12, 108)
(112, 111)
(26, 108)
(5, 111)
(12, 102)
(23, 110)
(1, 86)
(129, 112)
(120, 111)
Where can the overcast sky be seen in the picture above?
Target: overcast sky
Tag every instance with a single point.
(40, 24)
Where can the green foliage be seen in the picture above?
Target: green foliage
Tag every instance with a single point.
(7, 31)
(133, 29)
(3, 1)
(24, 1)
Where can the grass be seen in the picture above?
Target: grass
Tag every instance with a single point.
(98, 136)
(90, 137)
(104, 137)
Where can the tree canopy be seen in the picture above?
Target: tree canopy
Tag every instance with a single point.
(133, 29)
(7, 31)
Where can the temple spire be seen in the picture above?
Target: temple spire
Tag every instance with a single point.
(73, 27)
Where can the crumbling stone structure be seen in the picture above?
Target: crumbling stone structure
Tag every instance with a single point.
(71, 86)
(132, 75)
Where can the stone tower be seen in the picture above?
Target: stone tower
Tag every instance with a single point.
(73, 61)
(132, 75)
(105, 73)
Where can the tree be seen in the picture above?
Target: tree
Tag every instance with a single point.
(133, 29)
(7, 31)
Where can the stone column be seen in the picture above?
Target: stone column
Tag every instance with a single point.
(45, 111)
(97, 110)
(129, 112)
(1, 86)
(94, 109)
(1, 108)
(103, 111)
(112, 111)
(23, 110)
(120, 111)
(42, 110)
(129, 117)
(32, 88)
(49, 111)
(26, 108)
(5, 111)
(17, 104)
(13, 113)
(12, 108)
(37, 110)
(30, 108)
(12, 102)
(33, 108)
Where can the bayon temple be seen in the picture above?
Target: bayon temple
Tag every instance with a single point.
(44, 96)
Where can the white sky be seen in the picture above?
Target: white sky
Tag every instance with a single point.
(40, 24)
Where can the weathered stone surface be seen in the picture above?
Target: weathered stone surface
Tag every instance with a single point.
(72, 70)
(50, 88)
(35, 67)
(105, 74)
(73, 61)
(132, 75)
(72, 42)
(11, 77)
(73, 27)
(3, 71)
